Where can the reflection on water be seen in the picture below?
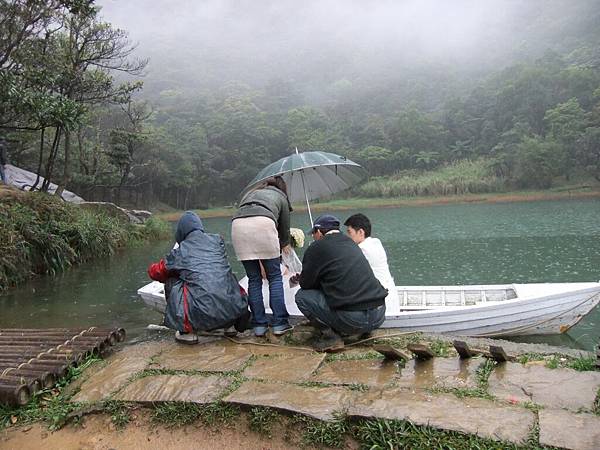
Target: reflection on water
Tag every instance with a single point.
(557, 241)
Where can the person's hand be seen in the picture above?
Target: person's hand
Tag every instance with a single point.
(286, 249)
(295, 279)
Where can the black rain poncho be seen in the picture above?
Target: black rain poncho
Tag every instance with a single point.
(205, 294)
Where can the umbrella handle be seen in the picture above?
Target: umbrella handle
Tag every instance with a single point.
(305, 195)
(306, 198)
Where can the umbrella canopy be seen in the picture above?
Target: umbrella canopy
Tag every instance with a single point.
(312, 175)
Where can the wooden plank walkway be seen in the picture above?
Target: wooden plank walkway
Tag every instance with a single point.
(33, 359)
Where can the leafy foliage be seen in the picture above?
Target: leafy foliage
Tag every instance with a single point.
(529, 122)
(40, 234)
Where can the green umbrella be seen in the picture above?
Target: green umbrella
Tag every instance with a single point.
(312, 175)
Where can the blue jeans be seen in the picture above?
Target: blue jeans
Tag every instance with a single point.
(314, 306)
(255, 297)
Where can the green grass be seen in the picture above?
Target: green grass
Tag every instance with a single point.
(176, 414)
(41, 235)
(119, 413)
(441, 348)
(320, 433)
(463, 177)
(528, 357)
(262, 419)
(401, 341)
(219, 414)
(352, 356)
(380, 434)
(481, 391)
(553, 363)
(582, 363)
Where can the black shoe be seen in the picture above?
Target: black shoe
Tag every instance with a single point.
(329, 342)
(243, 322)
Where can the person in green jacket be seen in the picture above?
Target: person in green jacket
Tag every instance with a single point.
(260, 231)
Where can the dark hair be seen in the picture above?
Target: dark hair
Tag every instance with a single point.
(359, 222)
(278, 183)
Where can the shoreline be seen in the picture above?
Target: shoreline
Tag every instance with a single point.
(564, 193)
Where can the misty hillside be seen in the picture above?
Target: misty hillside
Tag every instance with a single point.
(431, 97)
(324, 47)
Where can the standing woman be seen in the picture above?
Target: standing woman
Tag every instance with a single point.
(260, 231)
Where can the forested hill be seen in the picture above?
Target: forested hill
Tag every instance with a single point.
(229, 86)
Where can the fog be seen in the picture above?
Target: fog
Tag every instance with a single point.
(209, 43)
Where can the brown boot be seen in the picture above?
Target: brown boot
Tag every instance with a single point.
(329, 342)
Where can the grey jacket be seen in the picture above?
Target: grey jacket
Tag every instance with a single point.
(201, 288)
(268, 202)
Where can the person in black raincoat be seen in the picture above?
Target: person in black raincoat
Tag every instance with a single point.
(201, 291)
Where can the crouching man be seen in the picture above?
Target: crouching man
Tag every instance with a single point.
(201, 291)
(338, 293)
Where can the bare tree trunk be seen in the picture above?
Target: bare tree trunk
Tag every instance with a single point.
(51, 159)
(40, 160)
(66, 172)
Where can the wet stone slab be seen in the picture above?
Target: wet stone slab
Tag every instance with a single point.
(469, 415)
(174, 388)
(258, 348)
(439, 372)
(142, 350)
(374, 372)
(209, 358)
(560, 428)
(320, 403)
(552, 388)
(109, 378)
(289, 369)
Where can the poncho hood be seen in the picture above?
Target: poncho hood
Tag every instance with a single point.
(189, 222)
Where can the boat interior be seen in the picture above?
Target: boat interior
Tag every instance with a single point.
(418, 298)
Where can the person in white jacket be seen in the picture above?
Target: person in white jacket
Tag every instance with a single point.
(359, 230)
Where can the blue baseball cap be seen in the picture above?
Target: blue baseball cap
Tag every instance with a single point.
(326, 221)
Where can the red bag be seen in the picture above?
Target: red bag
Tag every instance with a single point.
(158, 271)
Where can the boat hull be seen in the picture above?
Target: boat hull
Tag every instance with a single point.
(549, 308)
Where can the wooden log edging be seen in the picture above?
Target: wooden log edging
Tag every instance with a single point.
(33, 359)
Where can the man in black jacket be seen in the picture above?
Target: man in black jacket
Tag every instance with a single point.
(339, 293)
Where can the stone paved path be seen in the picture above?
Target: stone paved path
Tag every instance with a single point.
(357, 384)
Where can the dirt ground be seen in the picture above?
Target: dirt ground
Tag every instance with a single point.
(96, 432)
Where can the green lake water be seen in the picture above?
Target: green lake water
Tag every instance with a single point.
(551, 241)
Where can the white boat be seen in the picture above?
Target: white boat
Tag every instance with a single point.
(477, 310)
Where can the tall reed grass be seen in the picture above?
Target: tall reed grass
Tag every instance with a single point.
(40, 234)
(464, 177)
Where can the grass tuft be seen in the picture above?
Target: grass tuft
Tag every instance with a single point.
(379, 434)
(262, 419)
(119, 413)
(219, 413)
(321, 433)
(176, 414)
(582, 363)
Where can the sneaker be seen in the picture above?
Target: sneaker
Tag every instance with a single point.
(329, 342)
(280, 330)
(186, 338)
(260, 331)
(230, 332)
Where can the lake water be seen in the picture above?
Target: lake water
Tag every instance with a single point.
(552, 241)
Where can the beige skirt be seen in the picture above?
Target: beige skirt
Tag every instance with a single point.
(255, 238)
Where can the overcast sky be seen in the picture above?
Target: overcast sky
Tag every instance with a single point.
(247, 39)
